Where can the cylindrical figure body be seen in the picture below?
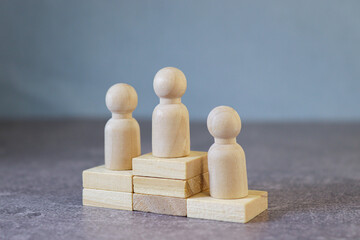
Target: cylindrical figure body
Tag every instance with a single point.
(170, 130)
(227, 171)
(122, 131)
(170, 119)
(122, 143)
(226, 158)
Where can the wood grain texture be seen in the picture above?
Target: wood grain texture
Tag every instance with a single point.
(171, 187)
(107, 199)
(104, 179)
(159, 204)
(122, 131)
(226, 158)
(231, 210)
(170, 118)
(174, 168)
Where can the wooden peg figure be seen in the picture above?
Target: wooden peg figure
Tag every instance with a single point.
(122, 131)
(226, 158)
(170, 119)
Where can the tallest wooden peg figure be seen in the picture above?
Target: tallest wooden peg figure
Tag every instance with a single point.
(170, 119)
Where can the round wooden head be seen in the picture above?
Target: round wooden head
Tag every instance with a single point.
(224, 122)
(121, 98)
(170, 82)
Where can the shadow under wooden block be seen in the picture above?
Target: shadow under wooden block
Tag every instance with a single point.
(159, 204)
(107, 199)
(175, 168)
(104, 179)
(231, 210)
(171, 187)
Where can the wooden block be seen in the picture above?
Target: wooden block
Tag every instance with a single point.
(175, 168)
(104, 179)
(231, 210)
(159, 204)
(107, 199)
(171, 187)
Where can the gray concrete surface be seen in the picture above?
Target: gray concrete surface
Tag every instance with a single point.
(311, 172)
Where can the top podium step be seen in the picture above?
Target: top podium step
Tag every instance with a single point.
(174, 168)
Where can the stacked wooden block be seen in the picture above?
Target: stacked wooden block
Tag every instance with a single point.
(158, 185)
(107, 188)
(162, 185)
(173, 186)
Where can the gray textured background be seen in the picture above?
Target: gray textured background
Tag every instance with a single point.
(270, 60)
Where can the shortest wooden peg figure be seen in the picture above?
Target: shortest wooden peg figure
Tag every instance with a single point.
(122, 131)
(226, 158)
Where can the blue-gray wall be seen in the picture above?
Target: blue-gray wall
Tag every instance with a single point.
(270, 60)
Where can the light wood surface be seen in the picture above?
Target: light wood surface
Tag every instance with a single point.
(104, 179)
(122, 131)
(170, 119)
(175, 168)
(107, 199)
(232, 210)
(171, 187)
(160, 204)
(226, 158)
